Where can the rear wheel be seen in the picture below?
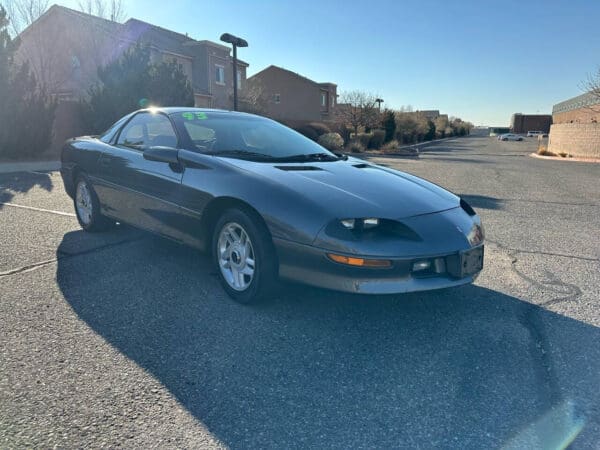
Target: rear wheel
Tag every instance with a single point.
(244, 256)
(87, 207)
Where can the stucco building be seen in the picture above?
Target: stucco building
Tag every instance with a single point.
(293, 98)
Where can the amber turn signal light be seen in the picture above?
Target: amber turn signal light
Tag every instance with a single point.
(359, 262)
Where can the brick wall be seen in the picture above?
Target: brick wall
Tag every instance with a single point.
(577, 139)
(581, 115)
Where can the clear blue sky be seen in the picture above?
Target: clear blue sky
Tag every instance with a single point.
(479, 60)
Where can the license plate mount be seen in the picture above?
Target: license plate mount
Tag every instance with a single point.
(471, 261)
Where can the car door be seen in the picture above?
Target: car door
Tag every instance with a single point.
(136, 190)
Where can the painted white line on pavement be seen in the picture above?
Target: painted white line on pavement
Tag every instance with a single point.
(60, 213)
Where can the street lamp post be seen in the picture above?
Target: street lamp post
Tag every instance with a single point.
(235, 42)
(379, 101)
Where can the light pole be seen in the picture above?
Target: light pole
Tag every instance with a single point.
(379, 101)
(235, 42)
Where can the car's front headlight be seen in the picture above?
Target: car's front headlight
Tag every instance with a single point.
(357, 224)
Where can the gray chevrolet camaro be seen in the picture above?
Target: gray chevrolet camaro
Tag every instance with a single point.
(267, 202)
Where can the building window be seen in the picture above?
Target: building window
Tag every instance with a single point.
(220, 75)
(323, 99)
(239, 78)
(277, 98)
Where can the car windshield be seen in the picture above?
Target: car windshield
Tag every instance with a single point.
(246, 137)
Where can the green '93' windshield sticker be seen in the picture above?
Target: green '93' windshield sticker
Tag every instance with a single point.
(191, 116)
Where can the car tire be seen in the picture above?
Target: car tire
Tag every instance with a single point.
(87, 207)
(244, 281)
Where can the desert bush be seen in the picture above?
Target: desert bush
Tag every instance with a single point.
(377, 139)
(320, 128)
(355, 147)
(391, 146)
(343, 130)
(394, 147)
(331, 141)
(363, 138)
(313, 130)
(544, 151)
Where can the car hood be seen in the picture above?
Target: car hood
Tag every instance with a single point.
(353, 188)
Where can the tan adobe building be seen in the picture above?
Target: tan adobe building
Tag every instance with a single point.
(293, 98)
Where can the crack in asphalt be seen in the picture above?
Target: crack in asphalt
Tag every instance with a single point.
(28, 267)
(569, 291)
(547, 202)
(563, 255)
(64, 255)
(32, 208)
(549, 391)
(529, 317)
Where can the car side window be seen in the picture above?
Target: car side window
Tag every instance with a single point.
(109, 134)
(148, 130)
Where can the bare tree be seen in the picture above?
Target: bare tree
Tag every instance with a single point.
(107, 9)
(357, 108)
(591, 85)
(22, 13)
(252, 98)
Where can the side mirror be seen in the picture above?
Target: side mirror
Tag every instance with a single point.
(162, 154)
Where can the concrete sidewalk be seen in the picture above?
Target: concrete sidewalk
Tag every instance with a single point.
(29, 166)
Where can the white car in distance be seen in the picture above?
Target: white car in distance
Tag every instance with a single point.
(510, 137)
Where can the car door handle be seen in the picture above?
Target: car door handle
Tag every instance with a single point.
(104, 162)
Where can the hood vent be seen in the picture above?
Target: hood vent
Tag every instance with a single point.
(297, 168)
(361, 166)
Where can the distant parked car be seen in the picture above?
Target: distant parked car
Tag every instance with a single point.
(510, 137)
(534, 133)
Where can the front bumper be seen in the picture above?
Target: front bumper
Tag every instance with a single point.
(310, 265)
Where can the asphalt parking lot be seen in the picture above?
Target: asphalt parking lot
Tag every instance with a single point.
(124, 339)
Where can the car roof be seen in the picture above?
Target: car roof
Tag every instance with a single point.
(179, 109)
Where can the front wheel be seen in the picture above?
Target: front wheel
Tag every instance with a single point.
(244, 256)
(87, 207)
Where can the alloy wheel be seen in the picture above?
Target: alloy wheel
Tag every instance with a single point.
(83, 201)
(236, 256)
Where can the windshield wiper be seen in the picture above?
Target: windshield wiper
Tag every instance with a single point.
(309, 157)
(243, 154)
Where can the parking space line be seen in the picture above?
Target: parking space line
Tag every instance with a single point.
(33, 208)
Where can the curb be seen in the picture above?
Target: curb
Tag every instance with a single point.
(560, 158)
(29, 166)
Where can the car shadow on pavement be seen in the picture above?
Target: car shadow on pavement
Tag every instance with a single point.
(469, 367)
(483, 201)
(21, 182)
